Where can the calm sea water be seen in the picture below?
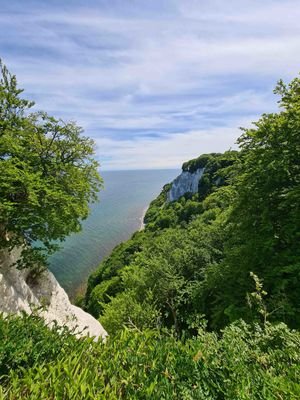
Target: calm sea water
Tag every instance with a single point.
(118, 214)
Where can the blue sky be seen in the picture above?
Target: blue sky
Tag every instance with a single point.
(157, 82)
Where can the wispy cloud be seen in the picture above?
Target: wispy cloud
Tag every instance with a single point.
(167, 152)
(155, 83)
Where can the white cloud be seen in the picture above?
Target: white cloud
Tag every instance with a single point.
(169, 151)
(177, 66)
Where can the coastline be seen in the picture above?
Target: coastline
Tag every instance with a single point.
(142, 219)
(80, 290)
(113, 220)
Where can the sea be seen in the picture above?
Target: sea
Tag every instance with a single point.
(112, 220)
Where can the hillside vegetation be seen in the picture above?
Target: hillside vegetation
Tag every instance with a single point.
(199, 258)
(245, 362)
(202, 304)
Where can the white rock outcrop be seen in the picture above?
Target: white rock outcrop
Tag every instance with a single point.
(186, 182)
(18, 293)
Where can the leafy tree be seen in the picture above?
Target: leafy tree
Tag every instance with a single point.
(167, 276)
(265, 218)
(48, 175)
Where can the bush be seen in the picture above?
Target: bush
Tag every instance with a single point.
(245, 362)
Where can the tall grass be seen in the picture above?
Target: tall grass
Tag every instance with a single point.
(245, 362)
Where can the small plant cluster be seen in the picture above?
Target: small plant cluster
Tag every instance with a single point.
(244, 362)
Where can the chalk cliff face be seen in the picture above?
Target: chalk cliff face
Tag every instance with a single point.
(186, 182)
(19, 293)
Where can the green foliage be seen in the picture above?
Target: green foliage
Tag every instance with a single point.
(47, 175)
(200, 162)
(167, 264)
(156, 205)
(217, 173)
(265, 218)
(196, 253)
(256, 298)
(197, 262)
(245, 362)
(218, 169)
(27, 341)
(126, 310)
(102, 293)
(166, 277)
(105, 281)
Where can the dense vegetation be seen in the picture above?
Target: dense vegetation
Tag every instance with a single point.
(196, 256)
(48, 176)
(202, 304)
(245, 362)
(228, 253)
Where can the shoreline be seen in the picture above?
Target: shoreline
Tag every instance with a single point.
(142, 219)
(81, 289)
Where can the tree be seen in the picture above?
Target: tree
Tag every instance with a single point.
(265, 221)
(48, 176)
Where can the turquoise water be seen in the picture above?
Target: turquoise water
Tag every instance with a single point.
(118, 214)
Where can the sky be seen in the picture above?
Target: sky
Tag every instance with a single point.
(154, 83)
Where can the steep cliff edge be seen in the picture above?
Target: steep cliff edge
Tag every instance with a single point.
(201, 176)
(20, 293)
(186, 182)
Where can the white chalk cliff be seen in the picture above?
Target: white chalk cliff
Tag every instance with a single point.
(186, 182)
(18, 293)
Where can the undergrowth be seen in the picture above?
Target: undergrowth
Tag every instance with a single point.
(243, 362)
